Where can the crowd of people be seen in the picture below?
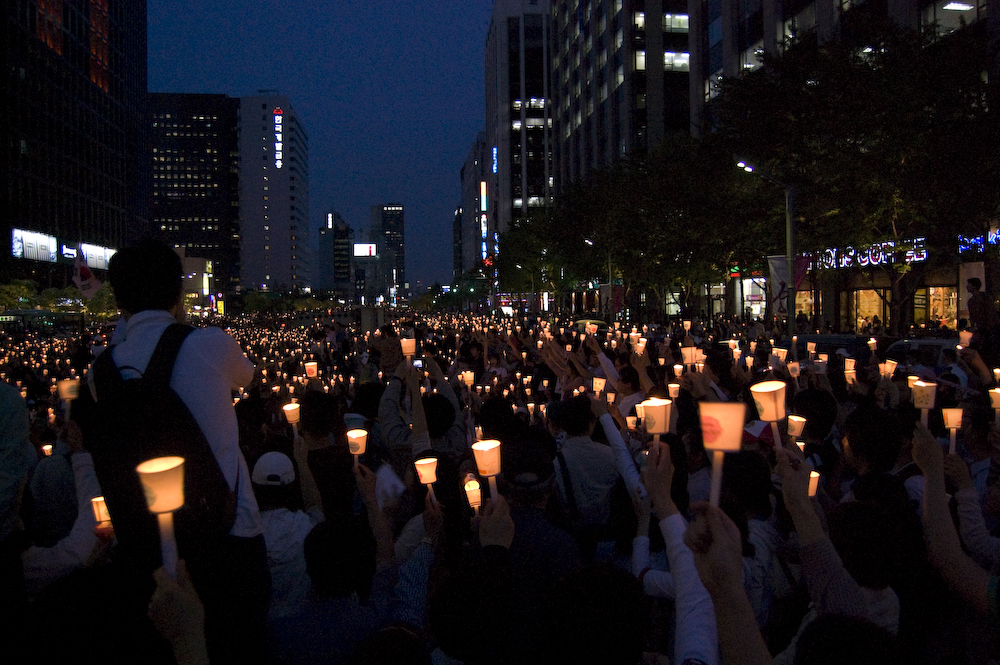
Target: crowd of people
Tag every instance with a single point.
(596, 542)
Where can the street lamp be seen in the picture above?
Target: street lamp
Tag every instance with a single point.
(789, 238)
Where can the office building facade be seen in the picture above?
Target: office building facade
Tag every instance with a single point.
(476, 232)
(619, 80)
(73, 140)
(727, 37)
(274, 194)
(388, 232)
(195, 202)
(333, 261)
(518, 115)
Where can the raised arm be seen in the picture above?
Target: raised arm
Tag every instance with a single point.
(960, 572)
(696, 636)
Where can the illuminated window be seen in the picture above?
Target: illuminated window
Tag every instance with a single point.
(640, 61)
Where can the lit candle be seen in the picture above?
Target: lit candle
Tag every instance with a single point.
(101, 514)
(924, 393)
(312, 369)
(813, 482)
(722, 432)
(292, 416)
(357, 441)
(474, 494)
(163, 485)
(953, 421)
(769, 396)
(674, 390)
(487, 454)
(656, 416)
(427, 473)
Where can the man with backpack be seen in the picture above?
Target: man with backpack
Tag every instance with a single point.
(166, 389)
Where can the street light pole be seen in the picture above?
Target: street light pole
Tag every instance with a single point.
(790, 256)
(789, 241)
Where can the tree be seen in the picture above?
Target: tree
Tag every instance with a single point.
(17, 294)
(886, 135)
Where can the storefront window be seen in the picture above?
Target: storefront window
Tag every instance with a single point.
(869, 309)
(936, 304)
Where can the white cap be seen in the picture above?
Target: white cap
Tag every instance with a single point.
(273, 468)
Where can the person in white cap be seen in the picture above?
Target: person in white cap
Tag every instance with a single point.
(285, 530)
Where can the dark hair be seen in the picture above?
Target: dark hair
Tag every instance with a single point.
(873, 436)
(147, 276)
(367, 397)
(819, 408)
(576, 415)
(598, 615)
(975, 283)
(630, 376)
(440, 414)
(863, 537)
(319, 413)
(340, 557)
(747, 477)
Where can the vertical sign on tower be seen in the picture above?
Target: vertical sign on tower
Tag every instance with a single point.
(278, 114)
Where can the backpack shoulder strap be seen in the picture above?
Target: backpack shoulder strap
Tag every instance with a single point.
(161, 364)
(107, 377)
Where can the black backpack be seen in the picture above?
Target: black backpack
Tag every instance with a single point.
(137, 420)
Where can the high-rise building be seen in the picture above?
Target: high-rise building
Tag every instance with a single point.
(456, 243)
(387, 225)
(73, 154)
(727, 36)
(518, 115)
(274, 194)
(333, 262)
(195, 203)
(476, 235)
(619, 80)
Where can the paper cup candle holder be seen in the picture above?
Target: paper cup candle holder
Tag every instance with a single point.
(487, 454)
(292, 416)
(995, 403)
(953, 421)
(409, 347)
(722, 432)
(474, 494)
(924, 393)
(163, 484)
(656, 416)
(427, 473)
(69, 390)
(769, 396)
(357, 441)
(312, 369)
(598, 385)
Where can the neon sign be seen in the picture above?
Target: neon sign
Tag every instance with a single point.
(278, 143)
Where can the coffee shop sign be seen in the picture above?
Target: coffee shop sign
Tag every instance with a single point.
(874, 255)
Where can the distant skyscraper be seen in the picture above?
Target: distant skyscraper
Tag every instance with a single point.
(619, 80)
(476, 230)
(333, 261)
(72, 147)
(274, 194)
(518, 118)
(387, 221)
(456, 243)
(195, 202)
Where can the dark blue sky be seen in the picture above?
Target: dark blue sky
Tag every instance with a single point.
(390, 93)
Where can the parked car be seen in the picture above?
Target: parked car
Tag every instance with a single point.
(930, 349)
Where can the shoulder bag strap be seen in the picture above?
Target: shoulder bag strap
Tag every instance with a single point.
(574, 512)
(161, 364)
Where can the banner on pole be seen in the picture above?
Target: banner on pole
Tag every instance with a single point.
(82, 277)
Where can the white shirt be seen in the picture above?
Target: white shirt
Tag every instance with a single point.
(210, 365)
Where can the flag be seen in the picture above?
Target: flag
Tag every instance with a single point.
(777, 286)
(82, 277)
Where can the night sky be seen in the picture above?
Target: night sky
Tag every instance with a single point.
(390, 94)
